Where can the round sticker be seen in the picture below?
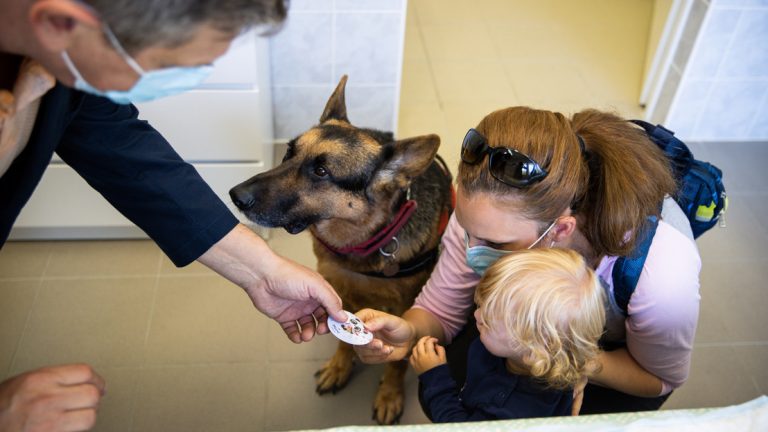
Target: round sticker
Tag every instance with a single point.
(352, 331)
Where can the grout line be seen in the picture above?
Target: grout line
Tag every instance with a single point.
(143, 363)
(428, 58)
(730, 344)
(28, 319)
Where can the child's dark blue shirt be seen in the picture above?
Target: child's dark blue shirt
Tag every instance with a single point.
(491, 392)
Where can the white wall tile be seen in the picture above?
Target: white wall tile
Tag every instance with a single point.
(691, 98)
(379, 5)
(301, 52)
(296, 109)
(714, 40)
(368, 46)
(371, 107)
(311, 5)
(759, 129)
(748, 55)
(730, 110)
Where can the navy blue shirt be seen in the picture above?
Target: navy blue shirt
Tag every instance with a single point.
(128, 162)
(490, 393)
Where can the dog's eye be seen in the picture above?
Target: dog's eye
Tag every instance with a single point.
(320, 171)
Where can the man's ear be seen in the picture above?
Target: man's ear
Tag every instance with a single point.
(54, 22)
(336, 108)
(409, 158)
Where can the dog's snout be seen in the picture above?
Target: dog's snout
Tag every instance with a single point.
(242, 198)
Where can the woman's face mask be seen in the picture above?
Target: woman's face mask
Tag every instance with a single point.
(479, 258)
(151, 85)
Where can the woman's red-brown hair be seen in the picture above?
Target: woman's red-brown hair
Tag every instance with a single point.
(614, 185)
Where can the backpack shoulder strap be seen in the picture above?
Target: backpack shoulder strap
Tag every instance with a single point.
(627, 269)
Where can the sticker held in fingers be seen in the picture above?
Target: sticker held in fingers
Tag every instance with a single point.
(351, 331)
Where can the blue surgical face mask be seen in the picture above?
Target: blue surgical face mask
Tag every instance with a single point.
(151, 85)
(479, 258)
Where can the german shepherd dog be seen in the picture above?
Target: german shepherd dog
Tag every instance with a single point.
(376, 208)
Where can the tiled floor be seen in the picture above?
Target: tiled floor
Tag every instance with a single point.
(183, 350)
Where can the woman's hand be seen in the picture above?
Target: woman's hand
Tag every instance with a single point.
(392, 337)
(427, 354)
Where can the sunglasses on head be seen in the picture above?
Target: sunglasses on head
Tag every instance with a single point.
(505, 165)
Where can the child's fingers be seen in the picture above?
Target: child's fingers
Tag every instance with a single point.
(440, 350)
(429, 345)
(421, 344)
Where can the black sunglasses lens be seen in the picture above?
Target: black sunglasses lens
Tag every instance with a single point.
(514, 169)
(473, 147)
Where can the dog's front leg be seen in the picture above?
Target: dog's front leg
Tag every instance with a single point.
(334, 375)
(388, 404)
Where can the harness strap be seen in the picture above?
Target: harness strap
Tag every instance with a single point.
(627, 269)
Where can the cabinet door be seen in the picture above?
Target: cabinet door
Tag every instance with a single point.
(214, 125)
(64, 206)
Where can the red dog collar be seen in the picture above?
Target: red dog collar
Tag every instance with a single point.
(382, 238)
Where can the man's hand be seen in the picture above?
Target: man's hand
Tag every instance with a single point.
(392, 337)
(60, 398)
(299, 299)
(290, 293)
(427, 354)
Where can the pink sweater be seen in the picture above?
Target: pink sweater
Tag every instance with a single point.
(663, 310)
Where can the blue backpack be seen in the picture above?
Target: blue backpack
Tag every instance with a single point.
(701, 196)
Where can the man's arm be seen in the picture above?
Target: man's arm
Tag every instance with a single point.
(287, 292)
(140, 174)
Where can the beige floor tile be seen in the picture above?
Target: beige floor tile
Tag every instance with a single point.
(413, 49)
(16, 300)
(117, 406)
(104, 258)
(532, 40)
(469, 81)
(291, 390)
(281, 348)
(468, 42)
(742, 239)
(716, 379)
(613, 80)
(417, 85)
(24, 259)
(102, 322)
(204, 319)
(295, 247)
(412, 414)
(447, 12)
(755, 358)
(738, 302)
(167, 268)
(212, 397)
(547, 80)
(421, 119)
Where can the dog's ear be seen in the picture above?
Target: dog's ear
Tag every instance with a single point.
(409, 158)
(336, 108)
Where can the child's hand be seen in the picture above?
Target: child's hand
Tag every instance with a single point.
(427, 354)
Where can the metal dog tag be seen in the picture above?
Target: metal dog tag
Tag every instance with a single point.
(391, 268)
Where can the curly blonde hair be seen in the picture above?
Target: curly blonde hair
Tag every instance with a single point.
(551, 305)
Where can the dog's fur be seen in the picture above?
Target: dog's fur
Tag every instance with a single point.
(346, 183)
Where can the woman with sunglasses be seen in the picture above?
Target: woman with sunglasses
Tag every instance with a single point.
(531, 178)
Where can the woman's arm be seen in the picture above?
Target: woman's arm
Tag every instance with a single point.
(395, 337)
(619, 371)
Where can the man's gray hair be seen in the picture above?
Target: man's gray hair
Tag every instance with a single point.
(139, 24)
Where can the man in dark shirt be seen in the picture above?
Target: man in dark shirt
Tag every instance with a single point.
(69, 70)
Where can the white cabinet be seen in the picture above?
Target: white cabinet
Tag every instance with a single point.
(224, 129)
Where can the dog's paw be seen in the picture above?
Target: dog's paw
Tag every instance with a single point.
(388, 405)
(332, 377)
